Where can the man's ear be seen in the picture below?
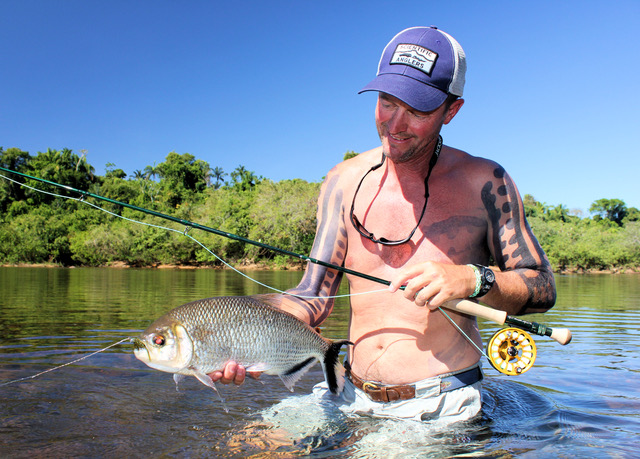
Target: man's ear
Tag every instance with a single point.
(454, 108)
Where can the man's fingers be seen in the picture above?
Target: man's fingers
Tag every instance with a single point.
(229, 373)
(423, 296)
(215, 376)
(240, 375)
(233, 373)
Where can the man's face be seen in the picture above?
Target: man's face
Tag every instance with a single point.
(406, 133)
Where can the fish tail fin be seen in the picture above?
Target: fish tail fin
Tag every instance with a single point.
(334, 371)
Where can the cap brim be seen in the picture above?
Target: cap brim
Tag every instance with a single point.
(416, 94)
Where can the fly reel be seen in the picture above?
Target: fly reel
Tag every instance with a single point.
(511, 351)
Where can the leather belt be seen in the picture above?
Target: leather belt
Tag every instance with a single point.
(384, 393)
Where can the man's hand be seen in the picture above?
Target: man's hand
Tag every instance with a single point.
(232, 373)
(432, 284)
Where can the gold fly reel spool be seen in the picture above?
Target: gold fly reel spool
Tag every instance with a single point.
(511, 351)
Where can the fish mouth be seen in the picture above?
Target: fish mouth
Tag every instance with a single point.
(137, 344)
(138, 347)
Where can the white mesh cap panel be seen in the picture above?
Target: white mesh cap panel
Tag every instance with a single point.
(457, 82)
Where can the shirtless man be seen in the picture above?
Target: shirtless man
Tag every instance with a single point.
(405, 349)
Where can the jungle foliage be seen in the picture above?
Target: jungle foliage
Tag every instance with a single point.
(47, 228)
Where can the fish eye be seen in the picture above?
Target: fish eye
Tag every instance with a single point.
(158, 340)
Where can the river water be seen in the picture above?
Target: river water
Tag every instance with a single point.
(579, 400)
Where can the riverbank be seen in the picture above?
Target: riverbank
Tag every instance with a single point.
(294, 266)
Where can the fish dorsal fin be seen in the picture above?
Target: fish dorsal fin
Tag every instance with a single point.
(293, 374)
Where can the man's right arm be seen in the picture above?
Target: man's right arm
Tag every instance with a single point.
(311, 300)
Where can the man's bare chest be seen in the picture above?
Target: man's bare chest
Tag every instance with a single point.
(451, 230)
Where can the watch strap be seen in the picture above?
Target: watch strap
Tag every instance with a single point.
(487, 278)
(478, 275)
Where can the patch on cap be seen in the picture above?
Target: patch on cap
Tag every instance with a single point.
(415, 56)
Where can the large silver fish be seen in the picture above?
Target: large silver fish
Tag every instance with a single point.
(200, 337)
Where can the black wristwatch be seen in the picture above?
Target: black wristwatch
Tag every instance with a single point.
(487, 278)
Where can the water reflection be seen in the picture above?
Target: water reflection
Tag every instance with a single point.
(578, 400)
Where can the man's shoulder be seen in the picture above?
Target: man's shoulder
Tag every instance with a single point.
(462, 161)
(356, 165)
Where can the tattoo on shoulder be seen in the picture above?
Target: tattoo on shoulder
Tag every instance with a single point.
(509, 228)
(515, 245)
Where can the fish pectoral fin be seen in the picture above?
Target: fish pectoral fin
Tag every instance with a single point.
(177, 377)
(207, 381)
(293, 374)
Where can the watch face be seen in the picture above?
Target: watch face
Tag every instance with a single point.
(489, 276)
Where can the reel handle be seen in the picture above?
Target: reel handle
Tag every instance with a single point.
(561, 335)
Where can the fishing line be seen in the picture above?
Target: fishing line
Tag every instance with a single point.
(188, 224)
(463, 333)
(65, 364)
(185, 232)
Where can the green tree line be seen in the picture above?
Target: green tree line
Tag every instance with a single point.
(37, 227)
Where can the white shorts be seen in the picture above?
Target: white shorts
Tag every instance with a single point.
(429, 404)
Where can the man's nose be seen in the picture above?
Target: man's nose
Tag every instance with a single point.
(397, 121)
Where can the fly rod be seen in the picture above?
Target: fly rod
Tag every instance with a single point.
(562, 336)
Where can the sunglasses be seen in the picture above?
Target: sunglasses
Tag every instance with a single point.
(382, 240)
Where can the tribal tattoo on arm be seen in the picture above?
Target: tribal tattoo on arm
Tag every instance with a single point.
(513, 244)
(330, 245)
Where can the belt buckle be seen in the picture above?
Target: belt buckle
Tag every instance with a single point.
(368, 386)
(444, 385)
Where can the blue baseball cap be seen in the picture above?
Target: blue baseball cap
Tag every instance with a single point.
(421, 66)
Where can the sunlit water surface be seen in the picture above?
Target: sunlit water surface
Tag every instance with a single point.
(580, 400)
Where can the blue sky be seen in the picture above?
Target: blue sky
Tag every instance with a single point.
(552, 86)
